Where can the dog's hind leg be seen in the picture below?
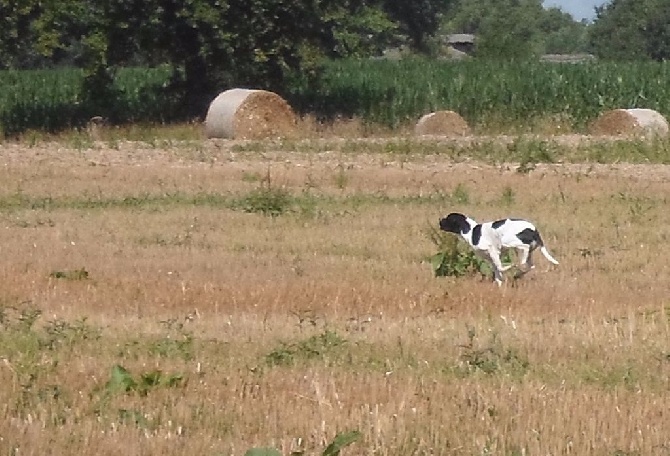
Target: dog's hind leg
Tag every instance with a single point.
(526, 257)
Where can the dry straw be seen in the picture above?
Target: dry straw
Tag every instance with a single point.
(249, 114)
(630, 122)
(442, 123)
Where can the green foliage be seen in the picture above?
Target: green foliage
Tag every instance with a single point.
(632, 30)
(418, 19)
(265, 200)
(510, 94)
(507, 198)
(334, 448)
(363, 32)
(460, 194)
(530, 152)
(340, 441)
(122, 381)
(562, 35)
(16, 33)
(383, 92)
(315, 347)
(52, 100)
(517, 29)
(180, 346)
(492, 357)
(509, 29)
(454, 258)
(61, 333)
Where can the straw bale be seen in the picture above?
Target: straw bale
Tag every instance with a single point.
(630, 122)
(442, 123)
(249, 114)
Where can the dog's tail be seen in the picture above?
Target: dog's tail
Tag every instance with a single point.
(544, 250)
(547, 255)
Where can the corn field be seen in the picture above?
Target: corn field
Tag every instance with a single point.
(53, 100)
(396, 92)
(391, 93)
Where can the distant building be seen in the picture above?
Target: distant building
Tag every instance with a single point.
(462, 43)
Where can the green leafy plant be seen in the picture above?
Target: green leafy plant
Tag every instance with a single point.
(267, 199)
(317, 346)
(63, 333)
(531, 152)
(180, 346)
(341, 179)
(341, 440)
(453, 258)
(507, 198)
(122, 381)
(492, 357)
(460, 194)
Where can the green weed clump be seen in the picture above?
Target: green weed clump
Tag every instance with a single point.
(334, 448)
(454, 258)
(318, 346)
(122, 381)
(266, 200)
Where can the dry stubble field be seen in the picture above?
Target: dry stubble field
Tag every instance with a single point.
(149, 309)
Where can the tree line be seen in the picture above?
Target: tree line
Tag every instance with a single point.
(214, 44)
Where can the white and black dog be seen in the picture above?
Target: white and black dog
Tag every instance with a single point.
(491, 238)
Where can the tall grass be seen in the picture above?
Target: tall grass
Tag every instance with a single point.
(52, 100)
(391, 93)
(395, 92)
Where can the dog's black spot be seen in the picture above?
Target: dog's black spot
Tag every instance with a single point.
(476, 234)
(498, 223)
(529, 237)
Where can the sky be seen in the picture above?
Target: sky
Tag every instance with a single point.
(580, 9)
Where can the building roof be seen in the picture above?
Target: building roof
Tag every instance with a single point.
(461, 38)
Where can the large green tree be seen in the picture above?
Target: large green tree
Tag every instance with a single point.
(211, 44)
(561, 34)
(632, 30)
(505, 29)
(16, 33)
(215, 44)
(418, 19)
(517, 29)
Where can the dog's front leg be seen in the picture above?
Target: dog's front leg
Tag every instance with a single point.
(494, 256)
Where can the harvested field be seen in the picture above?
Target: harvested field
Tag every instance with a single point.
(206, 297)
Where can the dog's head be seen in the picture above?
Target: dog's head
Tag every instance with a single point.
(455, 223)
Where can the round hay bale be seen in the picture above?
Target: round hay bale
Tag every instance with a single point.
(249, 114)
(442, 123)
(630, 122)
